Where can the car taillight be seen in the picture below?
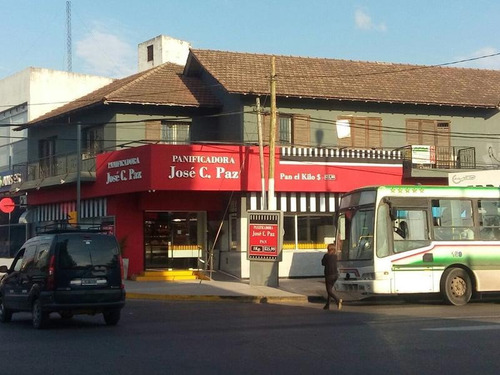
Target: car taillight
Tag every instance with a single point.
(122, 273)
(52, 273)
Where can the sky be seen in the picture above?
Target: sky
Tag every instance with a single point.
(105, 33)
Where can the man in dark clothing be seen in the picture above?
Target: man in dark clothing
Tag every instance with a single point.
(329, 261)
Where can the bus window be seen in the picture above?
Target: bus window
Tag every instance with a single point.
(452, 219)
(489, 220)
(361, 235)
(355, 234)
(410, 230)
(383, 231)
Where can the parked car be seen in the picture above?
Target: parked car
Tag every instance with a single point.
(66, 272)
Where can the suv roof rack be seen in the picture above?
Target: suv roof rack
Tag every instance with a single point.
(64, 227)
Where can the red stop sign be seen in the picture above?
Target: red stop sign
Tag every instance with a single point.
(7, 205)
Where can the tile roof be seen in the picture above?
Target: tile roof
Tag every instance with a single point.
(164, 85)
(305, 77)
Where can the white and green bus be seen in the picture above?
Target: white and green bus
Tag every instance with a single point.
(404, 240)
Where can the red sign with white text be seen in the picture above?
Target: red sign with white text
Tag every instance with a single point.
(228, 168)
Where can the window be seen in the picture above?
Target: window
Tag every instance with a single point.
(47, 155)
(150, 53)
(285, 130)
(173, 132)
(308, 231)
(428, 132)
(365, 132)
(452, 219)
(92, 142)
(355, 234)
(410, 229)
(291, 129)
(489, 220)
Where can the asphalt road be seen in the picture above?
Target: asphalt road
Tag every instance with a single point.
(187, 337)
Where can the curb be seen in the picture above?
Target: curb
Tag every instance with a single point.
(212, 298)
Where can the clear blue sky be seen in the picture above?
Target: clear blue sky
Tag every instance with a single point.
(105, 33)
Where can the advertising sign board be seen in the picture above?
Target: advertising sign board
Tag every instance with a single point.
(265, 235)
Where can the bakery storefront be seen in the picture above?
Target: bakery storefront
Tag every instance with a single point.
(185, 206)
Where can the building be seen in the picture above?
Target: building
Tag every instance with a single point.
(25, 96)
(170, 161)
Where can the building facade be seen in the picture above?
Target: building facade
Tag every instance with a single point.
(170, 161)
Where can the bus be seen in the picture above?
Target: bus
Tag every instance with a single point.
(405, 240)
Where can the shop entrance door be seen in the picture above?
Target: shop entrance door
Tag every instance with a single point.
(174, 240)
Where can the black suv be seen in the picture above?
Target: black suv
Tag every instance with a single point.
(69, 273)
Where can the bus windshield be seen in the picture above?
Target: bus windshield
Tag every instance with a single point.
(355, 234)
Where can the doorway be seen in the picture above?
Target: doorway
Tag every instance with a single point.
(174, 240)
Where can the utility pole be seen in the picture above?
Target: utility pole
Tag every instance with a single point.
(272, 137)
(261, 154)
(78, 171)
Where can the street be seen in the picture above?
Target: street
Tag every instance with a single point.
(175, 337)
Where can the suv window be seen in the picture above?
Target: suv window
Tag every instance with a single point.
(83, 251)
(42, 256)
(18, 261)
(29, 257)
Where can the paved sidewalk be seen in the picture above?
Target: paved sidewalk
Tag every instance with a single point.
(226, 287)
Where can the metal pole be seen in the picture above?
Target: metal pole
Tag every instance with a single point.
(272, 136)
(78, 170)
(261, 155)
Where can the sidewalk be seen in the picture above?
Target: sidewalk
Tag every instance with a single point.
(225, 287)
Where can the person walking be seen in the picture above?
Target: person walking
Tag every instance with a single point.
(329, 261)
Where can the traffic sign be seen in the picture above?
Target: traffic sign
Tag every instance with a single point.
(7, 205)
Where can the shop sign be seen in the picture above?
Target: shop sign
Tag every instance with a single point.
(203, 166)
(123, 170)
(422, 154)
(229, 168)
(265, 235)
(10, 179)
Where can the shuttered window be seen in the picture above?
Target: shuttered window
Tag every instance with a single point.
(365, 132)
(290, 129)
(428, 132)
(153, 131)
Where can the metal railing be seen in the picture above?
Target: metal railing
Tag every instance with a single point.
(57, 165)
(445, 157)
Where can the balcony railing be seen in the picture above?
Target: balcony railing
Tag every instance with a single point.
(440, 157)
(55, 166)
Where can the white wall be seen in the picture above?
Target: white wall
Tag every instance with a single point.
(165, 49)
(44, 90)
(50, 89)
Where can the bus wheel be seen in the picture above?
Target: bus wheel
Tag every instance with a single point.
(456, 286)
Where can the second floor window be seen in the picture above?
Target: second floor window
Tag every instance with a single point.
(285, 130)
(291, 129)
(428, 132)
(47, 156)
(92, 141)
(365, 132)
(172, 132)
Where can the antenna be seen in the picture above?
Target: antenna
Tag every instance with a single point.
(68, 33)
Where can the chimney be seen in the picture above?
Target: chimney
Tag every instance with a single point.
(160, 50)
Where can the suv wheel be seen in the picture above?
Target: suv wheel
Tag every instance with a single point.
(40, 318)
(5, 313)
(112, 317)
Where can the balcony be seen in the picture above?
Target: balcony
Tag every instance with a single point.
(54, 170)
(437, 161)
